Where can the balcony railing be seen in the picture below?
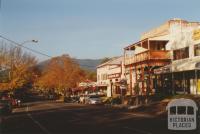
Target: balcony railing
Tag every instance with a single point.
(147, 55)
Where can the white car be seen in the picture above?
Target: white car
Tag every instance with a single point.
(94, 100)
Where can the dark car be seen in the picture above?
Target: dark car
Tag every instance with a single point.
(71, 99)
(5, 107)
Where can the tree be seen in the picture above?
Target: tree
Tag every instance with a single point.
(61, 73)
(91, 75)
(19, 65)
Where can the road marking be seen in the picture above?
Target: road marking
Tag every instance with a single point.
(36, 122)
(137, 130)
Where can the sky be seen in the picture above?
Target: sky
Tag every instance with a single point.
(88, 29)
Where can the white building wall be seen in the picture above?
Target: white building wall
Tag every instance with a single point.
(182, 37)
(110, 69)
(100, 72)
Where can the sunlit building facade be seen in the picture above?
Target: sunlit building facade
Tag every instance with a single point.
(183, 74)
(109, 75)
(157, 48)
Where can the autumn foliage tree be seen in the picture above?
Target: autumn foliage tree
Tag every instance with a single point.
(61, 73)
(91, 75)
(19, 65)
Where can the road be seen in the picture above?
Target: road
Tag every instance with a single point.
(59, 118)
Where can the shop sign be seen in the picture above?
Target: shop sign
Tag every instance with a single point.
(196, 34)
(110, 76)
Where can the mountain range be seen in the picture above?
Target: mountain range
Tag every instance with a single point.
(87, 64)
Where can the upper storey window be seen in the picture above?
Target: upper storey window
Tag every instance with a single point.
(181, 53)
(197, 50)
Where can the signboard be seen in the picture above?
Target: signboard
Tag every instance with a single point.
(182, 114)
(110, 76)
(196, 34)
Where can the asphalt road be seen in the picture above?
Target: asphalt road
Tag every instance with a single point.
(62, 118)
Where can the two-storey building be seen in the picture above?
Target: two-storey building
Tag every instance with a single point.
(109, 74)
(152, 52)
(183, 74)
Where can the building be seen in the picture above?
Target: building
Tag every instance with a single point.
(87, 87)
(109, 75)
(154, 51)
(183, 74)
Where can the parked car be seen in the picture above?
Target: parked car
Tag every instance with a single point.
(14, 102)
(5, 107)
(71, 99)
(94, 99)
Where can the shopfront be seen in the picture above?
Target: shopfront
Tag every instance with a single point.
(181, 81)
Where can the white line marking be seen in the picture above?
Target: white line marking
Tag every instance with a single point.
(36, 122)
(137, 130)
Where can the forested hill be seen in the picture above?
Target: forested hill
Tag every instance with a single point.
(88, 64)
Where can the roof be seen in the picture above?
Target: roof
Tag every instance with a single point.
(162, 31)
(153, 38)
(113, 61)
(134, 44)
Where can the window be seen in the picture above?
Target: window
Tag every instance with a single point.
(173, 110)
(190, 111)
(104, 77)
(197, 50)
(181, 53)
(181, 110)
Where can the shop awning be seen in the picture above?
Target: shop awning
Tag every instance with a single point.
(179, 66)
(163, 70)
(102, 85)
(186, 65)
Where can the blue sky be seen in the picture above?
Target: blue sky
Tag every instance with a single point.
(88, 28)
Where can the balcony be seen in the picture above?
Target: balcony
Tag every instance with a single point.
(146, 56)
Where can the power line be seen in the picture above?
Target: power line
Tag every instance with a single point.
(35, 51)
(20, 45)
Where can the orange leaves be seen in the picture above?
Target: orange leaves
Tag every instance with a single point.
(19, 65)
(61, 73)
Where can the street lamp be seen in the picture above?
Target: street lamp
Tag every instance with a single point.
(34, 41)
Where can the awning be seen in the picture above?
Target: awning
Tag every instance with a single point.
(186, 65)
(163, 70)
(179, 66)
(102, 85)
